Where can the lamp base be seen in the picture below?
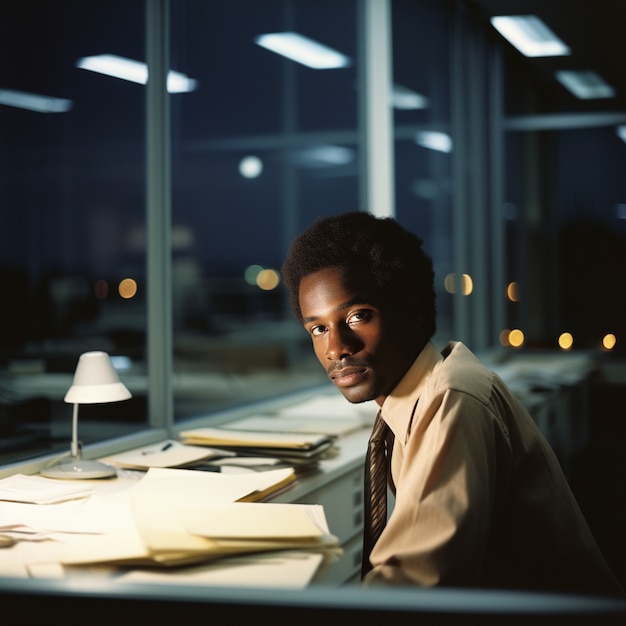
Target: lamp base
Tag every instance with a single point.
(73, 469)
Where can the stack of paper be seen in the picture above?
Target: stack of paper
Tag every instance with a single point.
(183, 517)
(280, 444)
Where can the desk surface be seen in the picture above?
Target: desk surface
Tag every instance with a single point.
(108, 602)
(274, 588)
(295, 569)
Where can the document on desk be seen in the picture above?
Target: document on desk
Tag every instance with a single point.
(255, 439)
(175, 485)
(96, 515)
(170, 453)
(101, 514)
(40, 490)
(178, 536)
(183, 517)
(247, 520)
(289, 569)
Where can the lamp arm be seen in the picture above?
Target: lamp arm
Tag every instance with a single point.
(75, 446)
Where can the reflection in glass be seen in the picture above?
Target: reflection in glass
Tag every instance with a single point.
(265, 145)
(72, 190)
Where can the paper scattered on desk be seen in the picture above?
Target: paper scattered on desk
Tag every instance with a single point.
(165, 454)
(40, 490)
(292, 569)
(176, 486)
(97, 514)
(248, 520)
(166, 501)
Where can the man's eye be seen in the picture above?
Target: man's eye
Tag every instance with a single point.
(317, 330)
(359, 316)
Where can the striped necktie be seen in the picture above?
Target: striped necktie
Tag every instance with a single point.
(375, 488)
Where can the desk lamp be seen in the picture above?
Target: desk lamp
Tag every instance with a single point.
(95, 382)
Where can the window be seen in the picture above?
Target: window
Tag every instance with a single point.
(261, 147)
(423, 138)
(254, 147)
(72, 220)
(564, 194)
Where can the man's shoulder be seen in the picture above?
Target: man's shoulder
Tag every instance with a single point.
(462, 371)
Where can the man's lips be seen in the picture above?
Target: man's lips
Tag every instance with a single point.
(348, 376)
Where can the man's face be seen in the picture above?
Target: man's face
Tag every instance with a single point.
(364, 346)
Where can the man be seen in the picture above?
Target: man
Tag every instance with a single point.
(480, 499)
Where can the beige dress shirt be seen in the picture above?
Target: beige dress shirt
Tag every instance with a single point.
(480, 496)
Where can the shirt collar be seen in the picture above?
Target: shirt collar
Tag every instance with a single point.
(407, 392)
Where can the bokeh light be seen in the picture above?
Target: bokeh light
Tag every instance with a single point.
(516, 338)
(608, 341)
(250, 167)
(566, 341)
(504, 337)
(465, 280)
(127, 288)
(268, 279)
(512, 291)
(251, 273)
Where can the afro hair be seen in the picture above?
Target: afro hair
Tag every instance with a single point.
(393, 257)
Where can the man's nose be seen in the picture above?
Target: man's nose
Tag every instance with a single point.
(342, 342)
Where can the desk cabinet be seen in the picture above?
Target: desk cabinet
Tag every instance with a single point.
(343, 505)
(338, 487)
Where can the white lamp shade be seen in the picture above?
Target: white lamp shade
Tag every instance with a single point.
(96, 380)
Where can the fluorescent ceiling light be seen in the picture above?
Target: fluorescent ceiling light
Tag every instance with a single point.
(621, 132)
(434, 140)
(134, 71)
(529, 35)
(585, 84)
(34, 102)
(407, 99)
(303, 50)
(324, 156)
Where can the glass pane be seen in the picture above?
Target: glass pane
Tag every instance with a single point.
(261, 147)
(592, 218)
(566, 237)
(564, 187)
(71, 218)
(420, 30)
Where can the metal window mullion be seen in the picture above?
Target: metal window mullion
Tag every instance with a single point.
(478, 156)
(377, 186)
(158, 219)
(496, 200)
(461, 323)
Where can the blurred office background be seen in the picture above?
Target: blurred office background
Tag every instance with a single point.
(149, 218)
